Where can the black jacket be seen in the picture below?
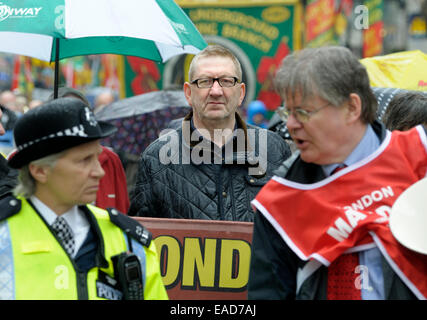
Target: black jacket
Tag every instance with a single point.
(274, 266)
(8, 178)
(217, 188)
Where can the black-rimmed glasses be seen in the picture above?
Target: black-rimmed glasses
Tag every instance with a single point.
(225, 82)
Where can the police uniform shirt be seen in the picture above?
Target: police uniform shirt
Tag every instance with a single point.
(74, 217)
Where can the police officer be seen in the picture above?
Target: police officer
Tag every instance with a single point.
(54, 243)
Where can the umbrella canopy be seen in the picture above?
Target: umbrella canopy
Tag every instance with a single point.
(384, 96)
(140, 119)
(404, 70)
(56, 29)
(151, 29)
(143, 103)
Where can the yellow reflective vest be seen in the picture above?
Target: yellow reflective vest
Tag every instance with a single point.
(35, 266)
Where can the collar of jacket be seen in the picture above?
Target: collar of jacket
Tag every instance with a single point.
(100, 259)
(295, 169)
(243, 153)
(8, 177)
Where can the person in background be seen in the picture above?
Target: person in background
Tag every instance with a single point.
(257, 114)
(321, 229)
(21, 104)
(7, 121)
(34, 103)
(104, 98)
(406, 110)
(55, 245)
(8, 176)
(8, 100)
(213, 163)
(112, 192)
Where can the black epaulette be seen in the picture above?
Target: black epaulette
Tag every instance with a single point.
(9, 206)
(132, 227)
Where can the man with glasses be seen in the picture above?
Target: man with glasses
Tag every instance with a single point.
(214, 164)
(322, 229)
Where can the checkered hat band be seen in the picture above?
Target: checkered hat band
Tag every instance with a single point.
(76, 131)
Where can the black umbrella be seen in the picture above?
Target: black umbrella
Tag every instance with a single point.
(384, 96)
(140, 119)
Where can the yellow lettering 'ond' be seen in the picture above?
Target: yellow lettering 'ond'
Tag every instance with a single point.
(234, 268)
(169, 249)
(193, 260)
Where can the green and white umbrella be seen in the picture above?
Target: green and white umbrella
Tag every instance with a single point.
(51, 30)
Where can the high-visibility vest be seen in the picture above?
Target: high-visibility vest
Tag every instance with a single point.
(35, 266)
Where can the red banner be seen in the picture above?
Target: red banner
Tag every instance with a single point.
(373, 36)
(320, 18)
(373, 40)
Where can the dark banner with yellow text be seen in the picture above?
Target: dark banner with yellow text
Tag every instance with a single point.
(202, 259)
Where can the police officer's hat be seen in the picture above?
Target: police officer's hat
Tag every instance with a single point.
(53, 127)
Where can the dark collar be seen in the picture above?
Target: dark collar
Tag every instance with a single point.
(188, 130)
(101, 261)
(243, 153)
(295, 169)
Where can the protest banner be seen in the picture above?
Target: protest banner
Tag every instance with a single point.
(202, 259)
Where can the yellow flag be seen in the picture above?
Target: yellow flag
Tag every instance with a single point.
(404, 70)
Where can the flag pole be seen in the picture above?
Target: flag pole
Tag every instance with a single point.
(55, 85)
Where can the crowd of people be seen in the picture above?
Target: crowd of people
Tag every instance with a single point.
(64, 200)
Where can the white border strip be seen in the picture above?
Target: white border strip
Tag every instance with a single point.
(279, 229)
(321, 259)
(285, 236)
(362, 247)
(27, 44)
(396, 269)
(422, 134)
(295, 248)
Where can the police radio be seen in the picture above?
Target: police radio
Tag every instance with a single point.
(127, 271)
